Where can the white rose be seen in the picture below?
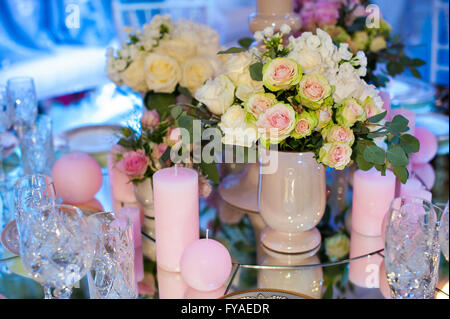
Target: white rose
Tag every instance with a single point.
(236, 130)
(237, 66)
(195, 72)
(313, 42)
(162, 73)
(217, 94)
(134, 76)
(309, 60)
(181, 48)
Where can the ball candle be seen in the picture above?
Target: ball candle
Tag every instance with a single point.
(192, 293)
(176, 214)
(372, 195)
(206, 265)
(135, 215)
(386, 101)
(77, 177)
(428, 146)
(414, 188)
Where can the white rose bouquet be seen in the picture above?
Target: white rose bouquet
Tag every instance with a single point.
(307, 94)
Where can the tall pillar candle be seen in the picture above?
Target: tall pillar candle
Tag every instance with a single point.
(176, 214)
(372, 195)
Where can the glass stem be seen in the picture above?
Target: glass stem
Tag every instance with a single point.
(48, 292)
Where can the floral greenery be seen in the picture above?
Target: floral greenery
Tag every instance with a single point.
(368, 133)
(385, 51)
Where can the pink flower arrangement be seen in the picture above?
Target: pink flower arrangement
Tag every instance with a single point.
(319, 13)
(134, 163)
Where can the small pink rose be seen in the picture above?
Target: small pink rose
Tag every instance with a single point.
(150, 119)
(173, 136)
(159, 150)
(134, 163)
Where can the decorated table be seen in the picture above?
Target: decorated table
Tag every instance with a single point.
(276, 168)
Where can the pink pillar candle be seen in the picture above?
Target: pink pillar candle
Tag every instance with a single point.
(428, 146)
(170, 284)
(138, 264)
(372, 195)
(120, 184)
(135, 215)
(364, 272)
(384, 285)
(414, 188)
(408, 114)
(205, 265)
(176, 214)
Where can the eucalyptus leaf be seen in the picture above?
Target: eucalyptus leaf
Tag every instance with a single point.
(187, 122)
(402, 173)
(399, 124)
(374, 154)
(232, 50)
(377, 118)
(159, 102)
(362, 163)
(245, 42)
(256, 71)
(397, 156)
(409, 143)
(211, 171)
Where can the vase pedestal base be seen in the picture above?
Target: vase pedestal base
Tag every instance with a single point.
(291, 243)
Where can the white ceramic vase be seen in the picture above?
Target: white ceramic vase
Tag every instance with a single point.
(292, 199)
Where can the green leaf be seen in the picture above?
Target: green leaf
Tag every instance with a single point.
(402, 173)
(415, 72)
(256, 71)
(399, 124)
(377, 118)
(409, 143)
(176, 111)
(232, 50)
(160, 102)
(395, 68)
(184, 91)
(187, 122)
(374, 154)
(396, 155)
(245, 42)
(210, 170)
(417, 62)
(362, 163)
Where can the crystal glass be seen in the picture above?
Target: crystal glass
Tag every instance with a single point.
(6, 119)
(22, 97)
(112, 272)
(37, 147)
(411, 248)
(443, 232)
(32, 192)
(55, 247)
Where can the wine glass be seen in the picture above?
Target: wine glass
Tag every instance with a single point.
(443, 232)
(411, 248)
(31, 192)
(22, 97)
(55, 247)
(6, 119)
(112, 273)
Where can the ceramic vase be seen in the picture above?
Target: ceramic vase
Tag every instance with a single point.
(274, 13)
(292, 199)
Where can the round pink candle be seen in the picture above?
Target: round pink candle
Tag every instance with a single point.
(176, 214)
(170, 284)
(426, 174)
(408, 114)
(414, 188)
(428, 146)
(135, 215)
(206, 265)
(77, 177)
(372, 195)
(119, 182)
(364, 272)
(192, 293)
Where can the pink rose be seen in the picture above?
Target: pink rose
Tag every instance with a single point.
(335, 155)
(173, 136)
(338, 133)
(150, 119)
(159, 150)
(134, 163)
(278, 122)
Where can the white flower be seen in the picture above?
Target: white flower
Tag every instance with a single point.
(237, 66)
(313, 42)
(236, 130)
(343, 52)
(134, 76)
(217, 94)
(309, 60)
(258, 36)
(195, 72)
(162, 73)
(285, 29)
(180, 49)
(268, 31)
